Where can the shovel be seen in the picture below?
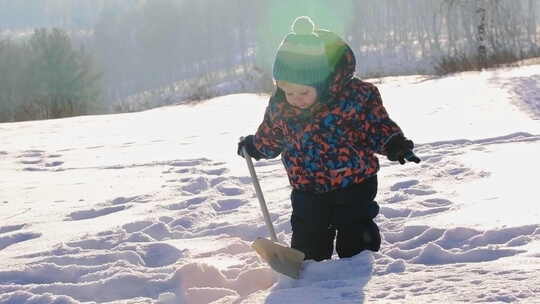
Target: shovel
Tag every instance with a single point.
(282, 259)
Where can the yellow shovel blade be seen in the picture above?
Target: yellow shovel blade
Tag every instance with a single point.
(285, 260)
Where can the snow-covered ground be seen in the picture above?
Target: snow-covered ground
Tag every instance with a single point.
(156, 206)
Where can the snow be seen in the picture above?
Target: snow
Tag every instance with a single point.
(155, 206)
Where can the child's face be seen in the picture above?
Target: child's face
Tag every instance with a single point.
(298, 95)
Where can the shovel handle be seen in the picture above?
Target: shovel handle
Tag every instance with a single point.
(260, 196)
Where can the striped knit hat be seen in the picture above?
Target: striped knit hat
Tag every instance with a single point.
(301, 57)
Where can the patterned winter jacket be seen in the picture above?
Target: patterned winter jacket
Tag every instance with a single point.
(330, 145)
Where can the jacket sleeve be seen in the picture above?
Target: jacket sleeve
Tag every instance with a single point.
(379, 127)
(269, 137)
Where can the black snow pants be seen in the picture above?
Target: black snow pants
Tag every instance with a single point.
(347, 212)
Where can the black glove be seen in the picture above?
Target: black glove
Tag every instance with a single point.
(398, 148)
(247, 142)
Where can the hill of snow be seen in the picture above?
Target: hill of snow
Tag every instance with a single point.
(155, 206)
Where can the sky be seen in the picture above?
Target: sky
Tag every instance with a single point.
(156, 207)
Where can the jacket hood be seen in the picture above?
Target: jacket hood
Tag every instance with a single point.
(341, 59)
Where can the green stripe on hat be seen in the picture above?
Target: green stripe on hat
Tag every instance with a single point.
(301, 57)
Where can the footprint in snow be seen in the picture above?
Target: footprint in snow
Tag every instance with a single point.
(419, 192)
(187, 203)
(158, 231)
(458, 171)
(408, 187)
(188, 163)
(391, 213)
(158, 254)
(217, 171)
(230, 190)
(432, 254)
(96, 259)
(93, 213)
(36, 157)
(11, 228)
(404, 185)
(105, 240)
(228, 204)
(217, 180)
(432, 159)
(196, 185)
(136, 226)
(124, 200)
(31, 169)
(245, 180)
(54, 164)
(436, 202)
(32, 153)
(396, 198)
(404, 234)
(11, 239)
(200, 175)
(31, 161)
(184, 222)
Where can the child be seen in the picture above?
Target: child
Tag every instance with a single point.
(327, 125)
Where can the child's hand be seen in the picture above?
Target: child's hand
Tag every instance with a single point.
(400, 149)
(247, 142)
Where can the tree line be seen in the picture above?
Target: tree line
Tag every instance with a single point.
(45, 77)
(158, 45)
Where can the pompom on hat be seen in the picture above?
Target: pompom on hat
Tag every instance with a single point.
(301, 57)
